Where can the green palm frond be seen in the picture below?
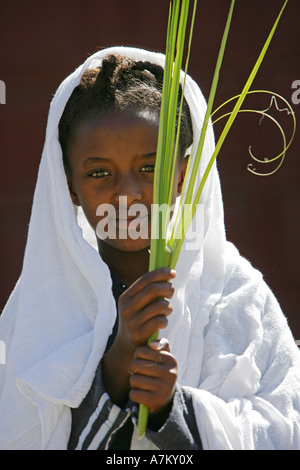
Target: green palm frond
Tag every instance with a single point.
(165, 248)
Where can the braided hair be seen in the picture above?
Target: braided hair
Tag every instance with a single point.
(119, 85)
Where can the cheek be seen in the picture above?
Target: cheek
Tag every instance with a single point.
(90, 200)
(90, 214)
(147, 190)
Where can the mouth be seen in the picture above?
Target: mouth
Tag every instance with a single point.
(119, 224)
(123, 224)
(127, 222)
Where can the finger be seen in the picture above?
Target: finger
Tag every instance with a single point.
(149, 320)
(144, 397)
(146, 330)
(160, 345)
(145, 369)
(152, 296)
(144, 353)
(146, 393)
(158, 275)
(159, 308)
(149, 294)
(142, 382)
(151, 356)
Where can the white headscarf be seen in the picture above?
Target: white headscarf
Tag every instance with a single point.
(62, 311)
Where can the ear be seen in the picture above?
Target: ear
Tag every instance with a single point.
(73, 193)
(182, 174)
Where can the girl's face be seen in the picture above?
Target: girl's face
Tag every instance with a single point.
(112, 164)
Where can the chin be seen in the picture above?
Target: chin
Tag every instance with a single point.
(132, 247)
(127, 245)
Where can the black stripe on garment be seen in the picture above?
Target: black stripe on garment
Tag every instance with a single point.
(96, 426)
(121, 439)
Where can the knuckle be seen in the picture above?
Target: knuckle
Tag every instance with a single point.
(159, 290)
(123, 298)
(123, 307)
(171, 289)
(162, 322)
(152, 289)
(133, 381)
(169, 308)
(140, 352)
(173, 364)
(164, 305)
(160, 272)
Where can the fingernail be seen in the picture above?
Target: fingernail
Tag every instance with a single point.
(160, 344)
(173, 273)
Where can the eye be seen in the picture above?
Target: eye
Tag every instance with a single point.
(147, 169)
(99, 173)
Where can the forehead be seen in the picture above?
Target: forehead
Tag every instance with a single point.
(132, 128)
(119, 137)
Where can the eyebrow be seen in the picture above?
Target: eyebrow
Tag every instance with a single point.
(94, 160)
(102, 159)
(151, 154)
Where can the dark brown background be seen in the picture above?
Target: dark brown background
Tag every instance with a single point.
(42, 42)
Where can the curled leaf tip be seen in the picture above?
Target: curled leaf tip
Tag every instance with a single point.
(274, 103)
(264, 113)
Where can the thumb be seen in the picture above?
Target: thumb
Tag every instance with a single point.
(160, 345)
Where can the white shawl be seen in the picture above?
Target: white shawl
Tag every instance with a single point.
(232, 343)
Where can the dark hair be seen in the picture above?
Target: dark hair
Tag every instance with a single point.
(121, 84)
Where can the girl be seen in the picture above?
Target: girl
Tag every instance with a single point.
(226, 377)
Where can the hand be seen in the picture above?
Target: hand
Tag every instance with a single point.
(153, 376)
(142, 311)
(143, 308)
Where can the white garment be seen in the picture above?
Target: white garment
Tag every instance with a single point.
(232, 343)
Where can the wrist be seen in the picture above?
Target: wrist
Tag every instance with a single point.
(115, 375)
(157, 420)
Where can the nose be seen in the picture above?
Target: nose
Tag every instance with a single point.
(129, 187)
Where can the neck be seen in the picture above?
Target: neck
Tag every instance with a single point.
(128, 265)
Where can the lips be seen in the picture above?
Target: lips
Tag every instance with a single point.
(124, 223)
